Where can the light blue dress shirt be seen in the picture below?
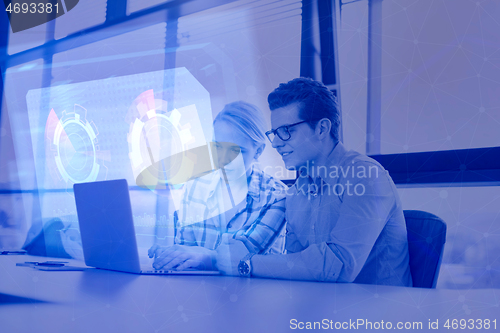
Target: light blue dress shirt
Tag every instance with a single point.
(346, 224)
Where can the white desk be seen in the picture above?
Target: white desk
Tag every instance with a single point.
(105, 301)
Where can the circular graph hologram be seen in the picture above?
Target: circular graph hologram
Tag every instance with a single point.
(75, 142)
(153, 138)
(169, 143)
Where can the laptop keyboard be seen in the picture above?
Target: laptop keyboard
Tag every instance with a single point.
(156, 272)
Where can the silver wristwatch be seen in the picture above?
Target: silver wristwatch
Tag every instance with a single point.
(245, 265)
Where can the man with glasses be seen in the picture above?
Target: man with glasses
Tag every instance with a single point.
(344, 217)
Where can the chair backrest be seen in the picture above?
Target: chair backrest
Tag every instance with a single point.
(44, 239)
(426, 238)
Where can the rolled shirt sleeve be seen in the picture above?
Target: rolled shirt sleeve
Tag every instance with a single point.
(343, 240)
(264, 231)
(360, 223)
(258, 223)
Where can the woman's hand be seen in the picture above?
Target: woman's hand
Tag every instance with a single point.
(181, 257)
(155, 250)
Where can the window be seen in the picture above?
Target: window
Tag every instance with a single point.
(440, 75)
(137, 5)
(90, 13)
(353, 62)
(256, 45)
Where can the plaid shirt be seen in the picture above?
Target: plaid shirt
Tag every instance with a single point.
(258, 221)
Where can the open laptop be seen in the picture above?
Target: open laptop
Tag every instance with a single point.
(107, 228)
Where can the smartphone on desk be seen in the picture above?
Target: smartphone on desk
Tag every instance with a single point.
(12, 252)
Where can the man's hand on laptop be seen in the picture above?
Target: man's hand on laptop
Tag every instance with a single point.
(181, 257)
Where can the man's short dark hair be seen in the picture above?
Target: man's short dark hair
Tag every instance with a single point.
(315, 102)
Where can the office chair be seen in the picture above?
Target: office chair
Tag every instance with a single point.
(426, 238)
(44, 239)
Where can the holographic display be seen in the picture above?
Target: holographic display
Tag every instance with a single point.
(159, 134)
(74, 141)
(154, 129)
(117, 128)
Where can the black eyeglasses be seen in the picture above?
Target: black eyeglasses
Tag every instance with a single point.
(282, 132)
